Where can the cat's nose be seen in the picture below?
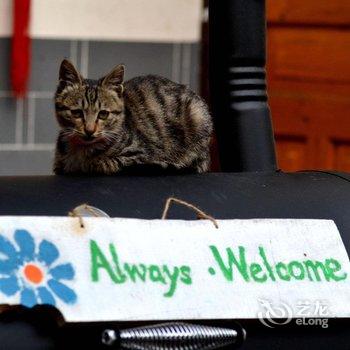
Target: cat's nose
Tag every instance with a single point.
(89, 130)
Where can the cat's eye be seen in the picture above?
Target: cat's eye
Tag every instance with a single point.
(77, 113)
(103, 114)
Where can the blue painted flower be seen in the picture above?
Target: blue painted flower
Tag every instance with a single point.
(33, 273)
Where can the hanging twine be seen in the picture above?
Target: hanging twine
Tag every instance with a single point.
(200, 213)
(77, 212)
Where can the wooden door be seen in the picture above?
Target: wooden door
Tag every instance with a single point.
(309, 82)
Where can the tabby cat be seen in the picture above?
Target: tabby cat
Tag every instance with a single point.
(108, 124)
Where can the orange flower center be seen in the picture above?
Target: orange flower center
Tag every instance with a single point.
(33, 273)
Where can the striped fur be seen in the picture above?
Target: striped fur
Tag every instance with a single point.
(107, 125)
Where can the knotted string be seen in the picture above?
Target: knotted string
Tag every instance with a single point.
(76, 212)
(200, 213)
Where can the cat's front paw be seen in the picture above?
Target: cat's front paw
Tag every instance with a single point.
(106, 167)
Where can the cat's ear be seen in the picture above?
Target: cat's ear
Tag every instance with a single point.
(115, 78)
(68, 73)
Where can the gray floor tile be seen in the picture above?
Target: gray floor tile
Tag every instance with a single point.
(139, 58)
(45, 126)
(7, 120)
(46, 58)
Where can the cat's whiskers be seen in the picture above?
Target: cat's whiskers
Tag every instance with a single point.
(110, 136)
(67, 132)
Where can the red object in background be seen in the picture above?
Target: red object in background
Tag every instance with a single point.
(20, 54)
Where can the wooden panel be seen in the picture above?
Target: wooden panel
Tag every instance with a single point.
(289, 116)
(309, 82)
(320, 55)
(291, 153)
(308, 90)
(327, 12)
(292, 127)
(342, 156)
(323, 126)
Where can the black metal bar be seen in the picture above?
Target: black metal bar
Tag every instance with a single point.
(237, 85)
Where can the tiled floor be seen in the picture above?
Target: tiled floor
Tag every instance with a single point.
(28, 128)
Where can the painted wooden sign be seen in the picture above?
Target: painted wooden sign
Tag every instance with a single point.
(129, 269)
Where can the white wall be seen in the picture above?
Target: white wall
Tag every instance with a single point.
(5, 17)
(122, 20)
